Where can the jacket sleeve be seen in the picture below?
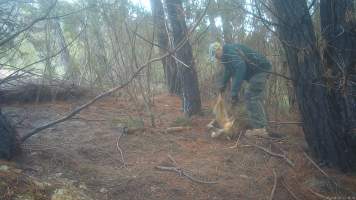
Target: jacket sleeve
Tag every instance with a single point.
(240, 68)
(225, 77)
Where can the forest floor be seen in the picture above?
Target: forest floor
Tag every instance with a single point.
(84, 150)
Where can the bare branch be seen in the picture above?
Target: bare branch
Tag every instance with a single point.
(44, 17)
(274, 185)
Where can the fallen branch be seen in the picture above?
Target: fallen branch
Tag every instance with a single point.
(182, 172)
(114, 89)
(281, 123)
(316, 165)
(120, 150)
(289, 190)
(274, 185)
(237, 141)
(89, 120)
(177, 129)
(284, 157)
(318, 194)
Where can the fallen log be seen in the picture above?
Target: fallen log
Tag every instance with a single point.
(41, 93)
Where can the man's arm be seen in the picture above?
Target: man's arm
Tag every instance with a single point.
(240, 68)
(225, 78)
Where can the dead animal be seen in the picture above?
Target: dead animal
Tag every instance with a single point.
(222, 124)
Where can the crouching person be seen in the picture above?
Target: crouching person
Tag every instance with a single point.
(244, 64)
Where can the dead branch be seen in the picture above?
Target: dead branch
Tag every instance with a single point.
(284, 157)
(114, 89)
(173, 160)
(89, 120)
(177, 129)
(282, 123)
(182, 172)
(237, 141)
(318, 194)
(316, 165)
(289, 190)
(274, 185)
(120, 150)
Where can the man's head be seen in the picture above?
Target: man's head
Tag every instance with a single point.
(215, 51)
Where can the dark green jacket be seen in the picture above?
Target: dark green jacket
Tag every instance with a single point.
(241, 63)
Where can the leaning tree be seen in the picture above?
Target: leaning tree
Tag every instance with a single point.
(323, 75)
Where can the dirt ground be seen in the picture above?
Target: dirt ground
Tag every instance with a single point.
(84, 150)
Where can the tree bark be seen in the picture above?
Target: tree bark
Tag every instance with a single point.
(70, 72)
(7, 138)
(338, 31)
(213, 30)
(186, 71)
(226, 21)
(161, 36)
(328, 139)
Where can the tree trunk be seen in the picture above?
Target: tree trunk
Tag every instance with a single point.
(338, 31)
(329, 140)
(214, 31)
(70, 72)
(186, 71)
(7, 138)
(161, 35)
(226, 21)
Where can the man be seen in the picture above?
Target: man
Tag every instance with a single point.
(244, 64)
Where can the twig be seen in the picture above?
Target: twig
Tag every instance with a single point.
(284, 157)
(281, 123)
(120, 150)
(318, 194)
(237, 141)
(198, 180)
(173, 160)
(316, 165)
(285, 185)
(274, 185)
(177, 129)
(89, 120)
(182, 172)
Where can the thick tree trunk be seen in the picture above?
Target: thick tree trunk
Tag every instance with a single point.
(161, 35)
(186, 71)
(338, 31)
(7, 138)
(329, 140)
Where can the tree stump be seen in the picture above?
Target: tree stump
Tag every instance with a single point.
(7, 138)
